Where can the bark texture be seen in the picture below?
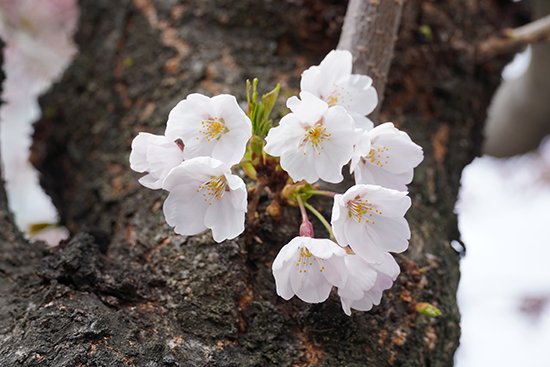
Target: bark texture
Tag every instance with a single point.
(127, 291)
(370, 32)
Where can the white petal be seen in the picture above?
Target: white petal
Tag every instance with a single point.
(282, 280)
(226, 221)
(155, 154)
(300, 166)
(311, 82)
(310, 286)
(361, 122)
(364, 304)
(322, 248)
(397, 148)
(393, 203)
(388, 267)
(336, 66)
(362, 242)
(351, 291)
(227, 107)
(363, 174)
(187, 122)
(284, 137)
(361, 147)
(361, 278)
(138, 156)
(151, 182)
(230, 147)
(346, 303)
(162, 158)
(193, 171)
(359, 96)
(328, 169)
(336, 151)
(370, 174)
(287, 253)
(361, 272)
(184, 120)
(309, 108)
(335, 271)
(238, 191)
(391, 234)
(338, 219)
(185, 210)
(194, 148)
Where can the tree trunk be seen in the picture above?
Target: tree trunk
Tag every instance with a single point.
(127, 291)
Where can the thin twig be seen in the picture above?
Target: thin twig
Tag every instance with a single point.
(511, 39)
(253, 204)
(326, 193)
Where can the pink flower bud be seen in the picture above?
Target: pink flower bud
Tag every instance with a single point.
(306, 228)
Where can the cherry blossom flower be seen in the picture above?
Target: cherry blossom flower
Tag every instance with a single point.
(385, 156)
(155, 154)
(333, 82)
(211, 127)
(370, 219)
(366, 282)
(308, 268)
(314, 141)
(204, 194)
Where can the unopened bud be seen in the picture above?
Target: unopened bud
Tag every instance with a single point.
(306, 229)
(274, 210)
(427, 309)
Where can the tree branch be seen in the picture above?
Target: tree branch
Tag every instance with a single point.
(511, 39)
(369, 33)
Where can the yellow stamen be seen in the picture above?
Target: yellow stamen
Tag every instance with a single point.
(375, 156)
(361, 210)
(315, 135)
(213, 128)
(332, 101)
(306, 259)
(213, 189)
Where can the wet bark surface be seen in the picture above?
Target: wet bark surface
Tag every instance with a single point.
(127, 291)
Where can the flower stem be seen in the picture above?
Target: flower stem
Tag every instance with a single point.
(323, 193)
(302, 208)
(255, 199)
(321, 219)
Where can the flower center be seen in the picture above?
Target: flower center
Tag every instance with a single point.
(332, 101)
(306, 259)
(360, 210)
(213, 189)
(378, 156)
(315, 135)
(213, 128)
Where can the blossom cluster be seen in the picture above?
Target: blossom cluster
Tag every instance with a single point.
(327, 128)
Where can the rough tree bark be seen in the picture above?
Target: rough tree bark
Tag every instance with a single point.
(125, 290)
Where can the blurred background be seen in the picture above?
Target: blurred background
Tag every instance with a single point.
(503, 206)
